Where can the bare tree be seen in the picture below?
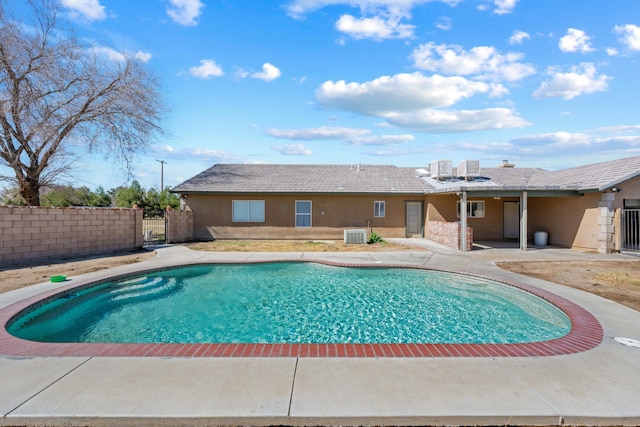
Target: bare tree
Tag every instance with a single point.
(60, 98)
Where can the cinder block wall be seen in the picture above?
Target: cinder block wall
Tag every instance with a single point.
(38, 233)
(179, 226)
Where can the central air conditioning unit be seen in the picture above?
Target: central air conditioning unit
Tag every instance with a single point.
(469, 169)
(355, 237)
(441, 169)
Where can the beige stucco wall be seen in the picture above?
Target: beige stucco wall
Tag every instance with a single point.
(444, 208)
(577, 222)
(331, 214)
(628, 190)
(570, 221)
(588, 223)
(37, 233)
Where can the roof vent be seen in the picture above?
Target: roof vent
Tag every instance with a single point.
(506, 164)
(441, 169)
(469, 169)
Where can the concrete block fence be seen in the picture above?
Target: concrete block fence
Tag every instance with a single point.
(179, 226)
(39, 233)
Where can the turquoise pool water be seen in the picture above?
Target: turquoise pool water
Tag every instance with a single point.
(294, 302)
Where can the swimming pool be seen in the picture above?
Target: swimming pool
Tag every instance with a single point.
(294, 303)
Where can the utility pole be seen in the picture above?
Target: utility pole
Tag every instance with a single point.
(162, 163)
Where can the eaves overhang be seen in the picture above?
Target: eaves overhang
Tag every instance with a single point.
(511, 191)
(315, 193)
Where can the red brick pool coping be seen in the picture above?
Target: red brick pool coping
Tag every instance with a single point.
(586, 333)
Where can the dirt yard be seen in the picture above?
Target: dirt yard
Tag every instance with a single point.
(293, 246)
(21, 276)
(618, 281)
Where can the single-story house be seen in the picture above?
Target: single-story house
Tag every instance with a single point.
(593, 207)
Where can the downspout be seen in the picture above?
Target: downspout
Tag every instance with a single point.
(463, 221)
(523, 221)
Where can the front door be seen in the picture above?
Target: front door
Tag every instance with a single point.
(511, 220)
(414, 219)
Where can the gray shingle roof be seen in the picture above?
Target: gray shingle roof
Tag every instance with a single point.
(386, 179)
(593, 177)
(241, 178)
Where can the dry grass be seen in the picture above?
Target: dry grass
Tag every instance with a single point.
(619, 278)
(615, 280)
(293, 246)
(19, 276)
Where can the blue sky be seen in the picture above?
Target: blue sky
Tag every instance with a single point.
(542, 83)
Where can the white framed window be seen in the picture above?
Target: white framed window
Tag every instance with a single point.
(475, 209)
(378, 209)
(303, 213)
(248, 211)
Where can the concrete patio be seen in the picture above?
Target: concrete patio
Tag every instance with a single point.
(596, 387)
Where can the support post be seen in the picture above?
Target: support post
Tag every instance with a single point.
(523, 221)
(463, 221)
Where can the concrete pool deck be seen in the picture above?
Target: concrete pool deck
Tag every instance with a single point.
(600, 386)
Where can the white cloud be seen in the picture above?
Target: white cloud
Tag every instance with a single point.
(269, 73)
(497, 90)
(518, 37)
(88, 9)
(382, 139)
(630, 35)
(619, 129)
(377, 28)
(553, 149)
(438, 121)
(380, 19)
(241, 73)
(482, 61)
(299, 8)
(353, 136)
(565, 139)
(142, 56)
(413, 101)
(575, 41)
(292, 150)
(115, 55)
(444, 23)
(208, 154)
(612, 51)
(621, 142)
(402, 92)
(317, 134)
(504, 6)
(185, 12)
(197, 154)
(207, 68)
(580, 80)
(564, 143)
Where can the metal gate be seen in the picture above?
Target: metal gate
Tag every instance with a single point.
(630, 230)
(154, 227)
